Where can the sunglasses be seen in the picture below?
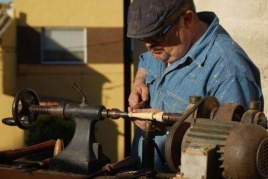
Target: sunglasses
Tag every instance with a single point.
(160, 37)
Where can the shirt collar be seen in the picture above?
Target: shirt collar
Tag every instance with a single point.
(199, 50)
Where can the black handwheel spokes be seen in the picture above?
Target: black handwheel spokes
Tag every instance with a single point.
(24, 101)
(20, 109)
(31, 118)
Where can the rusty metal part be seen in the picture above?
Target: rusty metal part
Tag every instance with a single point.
(173, 146)
(262, 155)
(171, 118)
(193, 113)
(254, 105)
(224, 149)
(260, 119)
(203, 143)
(205, 105)
(10, 155)
(228, 112)
(246, 151)
(200, 108)
(254, 115)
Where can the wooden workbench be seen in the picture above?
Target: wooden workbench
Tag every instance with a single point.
(8, 172)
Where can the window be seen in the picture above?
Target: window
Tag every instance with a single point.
(63, 45)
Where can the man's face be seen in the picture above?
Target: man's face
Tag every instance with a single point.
(175, 45)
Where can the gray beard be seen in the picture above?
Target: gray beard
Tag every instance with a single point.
(163, 58)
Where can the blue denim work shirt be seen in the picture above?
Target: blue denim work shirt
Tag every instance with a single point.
(215, 65)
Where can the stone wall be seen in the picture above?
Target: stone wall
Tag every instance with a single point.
(247, 23)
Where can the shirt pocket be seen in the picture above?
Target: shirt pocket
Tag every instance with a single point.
(174, 103)
(150, 78)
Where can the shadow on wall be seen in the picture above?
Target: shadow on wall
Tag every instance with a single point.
(52, 83)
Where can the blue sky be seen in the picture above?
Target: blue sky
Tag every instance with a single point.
(5, 1)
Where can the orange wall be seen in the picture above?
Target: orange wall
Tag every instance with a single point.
(103, 83)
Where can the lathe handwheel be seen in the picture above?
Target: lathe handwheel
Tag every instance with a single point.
(23, 118)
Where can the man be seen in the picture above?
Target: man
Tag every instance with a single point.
(188, 54)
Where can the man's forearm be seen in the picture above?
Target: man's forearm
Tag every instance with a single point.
(140, 77)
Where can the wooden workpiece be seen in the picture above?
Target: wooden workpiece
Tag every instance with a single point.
(147, 115)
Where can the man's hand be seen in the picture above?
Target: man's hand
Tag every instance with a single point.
(139, 93)
(142, 123)
(140, 90)
(139, 98)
